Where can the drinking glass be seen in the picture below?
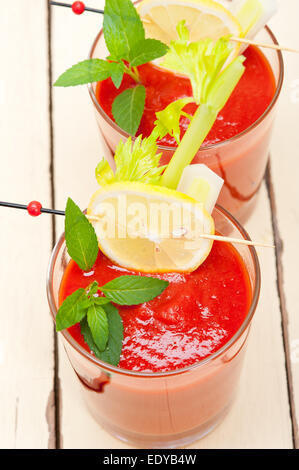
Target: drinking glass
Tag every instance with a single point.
(167, 409)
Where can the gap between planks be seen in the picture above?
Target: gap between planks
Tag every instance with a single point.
(56, 382)
(282, 303)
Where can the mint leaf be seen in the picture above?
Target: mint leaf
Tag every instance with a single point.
(117, 72)
(71, 311)
(147, 50)
(116, 335)
(86, 332)
(73, 215)
(80, 237)
(122, 28)
(85, 304)
(112, 352)
(98, 324)
(91, 70)
(100, 301)
(127, 108)
(133, 290)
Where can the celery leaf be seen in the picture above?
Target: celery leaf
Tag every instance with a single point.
(202, 61)
(134, 161)
(168, 120)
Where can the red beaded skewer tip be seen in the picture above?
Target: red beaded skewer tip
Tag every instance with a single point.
(34, 208)
(78, 8)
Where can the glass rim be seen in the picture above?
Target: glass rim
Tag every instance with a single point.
(126, 372)
(165, 148)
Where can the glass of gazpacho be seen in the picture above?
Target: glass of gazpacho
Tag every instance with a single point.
(237, 147)
(182, 351)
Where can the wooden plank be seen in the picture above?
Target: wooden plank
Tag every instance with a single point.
(26, 337)
(77, 144)
(284, 170)
(260, 417)
(77, 150)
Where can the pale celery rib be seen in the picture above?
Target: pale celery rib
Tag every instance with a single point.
(212, 84)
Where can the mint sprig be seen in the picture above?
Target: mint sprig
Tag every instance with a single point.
(89, 71)
(127, 108)
(71, 310)
(147, 50)
(98, 324)
(133, 290)
(101, 324)
(125, 37)
(128, 48)
(122, 28)
(112, 352)
(80, 237)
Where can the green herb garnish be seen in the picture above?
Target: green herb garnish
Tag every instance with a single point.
(98, 323)
(89, 71)
(128, 48)
(132, 290)
(80, 237)
(101, 324)
(212, 82)
(70, 311)
(168, 120)
(136, 161)
(127, 108)
(112, 352)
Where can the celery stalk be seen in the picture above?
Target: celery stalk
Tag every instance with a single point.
(218, 94)
(196, 133)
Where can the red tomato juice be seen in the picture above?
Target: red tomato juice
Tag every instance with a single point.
(195, 316)
(248, 102)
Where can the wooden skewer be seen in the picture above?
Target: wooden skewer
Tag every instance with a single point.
(276, 47)
(235, 240)
(94, 218)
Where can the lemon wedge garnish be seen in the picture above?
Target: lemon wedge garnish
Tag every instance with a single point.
(150, 228)
(204, 19)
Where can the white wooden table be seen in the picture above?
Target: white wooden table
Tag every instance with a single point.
(49, 147)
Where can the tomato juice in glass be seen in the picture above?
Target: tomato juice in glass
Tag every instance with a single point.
(237, 147)
(182, 352)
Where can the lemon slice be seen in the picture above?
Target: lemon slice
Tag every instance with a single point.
(204, 19)
(150, 228)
